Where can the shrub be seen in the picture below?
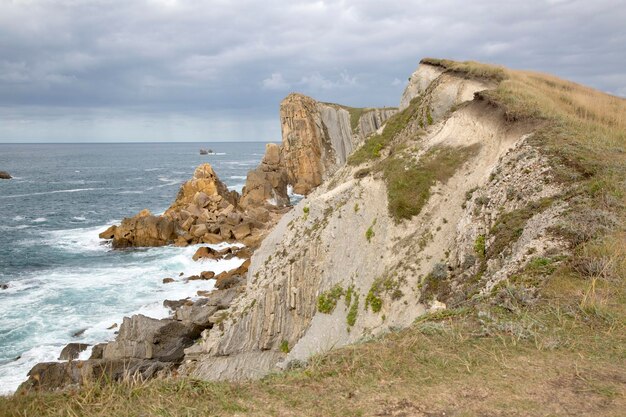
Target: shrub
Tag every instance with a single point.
(327, 301)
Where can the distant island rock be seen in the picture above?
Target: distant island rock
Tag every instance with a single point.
(5, 175)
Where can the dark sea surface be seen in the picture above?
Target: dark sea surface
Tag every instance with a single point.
(61, 278)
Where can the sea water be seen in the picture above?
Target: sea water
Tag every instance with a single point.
(64, 283)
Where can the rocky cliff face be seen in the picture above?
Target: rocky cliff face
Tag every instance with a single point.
(341, 265)
(318, 137)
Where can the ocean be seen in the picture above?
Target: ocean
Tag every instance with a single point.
(64, 283)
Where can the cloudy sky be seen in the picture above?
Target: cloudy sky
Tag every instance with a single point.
(192, 70)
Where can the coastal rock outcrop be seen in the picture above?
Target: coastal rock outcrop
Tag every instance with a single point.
(142, 337)
(204, 211)
(318, 137)
(143, 230)
(267, 184)
(5, 175)
(278, 319)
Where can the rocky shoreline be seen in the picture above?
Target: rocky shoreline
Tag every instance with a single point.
(317, 138)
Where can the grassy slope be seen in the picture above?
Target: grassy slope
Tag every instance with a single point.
(561, 353)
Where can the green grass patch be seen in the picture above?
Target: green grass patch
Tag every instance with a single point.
(327, 301)
(409, 181)
(353, 311)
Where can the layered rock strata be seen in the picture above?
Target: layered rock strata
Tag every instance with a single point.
(318, 137)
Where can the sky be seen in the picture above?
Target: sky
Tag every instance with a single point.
(191, 70)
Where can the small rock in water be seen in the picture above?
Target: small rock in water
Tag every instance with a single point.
(5, 175)
(79, 332)
(113, 326)
(207, 274)
(203, 293)
(181, 274)
(4, 286)
(167, 280)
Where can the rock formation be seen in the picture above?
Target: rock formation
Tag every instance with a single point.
(318, 137)
(310, 251)
(267, 184)
(5, 175)
(204, 211)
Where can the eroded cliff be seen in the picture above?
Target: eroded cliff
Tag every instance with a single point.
(391, 235)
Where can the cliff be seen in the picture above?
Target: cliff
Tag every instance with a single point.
(362, 253)
(318, 137)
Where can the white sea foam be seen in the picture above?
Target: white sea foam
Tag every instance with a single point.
(237, 187)
(18, 218)
(79, 218)
(75, 190)
(238, 177)
(50, 306)
(152, 169)
(131, 192)
(39, 220)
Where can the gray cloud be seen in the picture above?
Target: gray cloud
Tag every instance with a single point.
(216, 70)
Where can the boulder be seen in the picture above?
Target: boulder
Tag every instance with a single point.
(168, 280)
(96, 351)
(200, 312)
(198, 230)
(5, 175)
(207, 274)
(232, 278)
(4, 286)
(212, 238)
(72, 350)
(142, 337)
(109, 233)
(205, 252)
(241, 231)
(49, 376)
(144, 230)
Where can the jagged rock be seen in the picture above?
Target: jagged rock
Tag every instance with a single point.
(109, 233)
(144, 230)
(318, 137)
(207, 274)
(72, 350)
(241, 231)
(142, 337)
(267, 184)
(181, 241)
(211, 238)
(5, 175)
(228, 279)
(49, 376)
(198, 191)
(96, 351)
(206, 252)
(176, 304)
(199, 230)
(201, 312)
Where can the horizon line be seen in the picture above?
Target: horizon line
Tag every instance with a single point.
(134, 142)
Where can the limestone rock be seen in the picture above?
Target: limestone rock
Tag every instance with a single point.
(200, 189)
(267, 184)
(144, 230)
(141, 337)
(109, 233)
(72, 350)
